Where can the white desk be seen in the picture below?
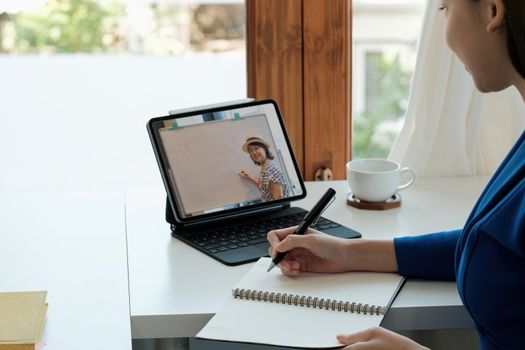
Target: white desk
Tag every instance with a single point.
(74, 246)
(174, 290)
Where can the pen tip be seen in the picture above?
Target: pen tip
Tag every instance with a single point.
(272, 265)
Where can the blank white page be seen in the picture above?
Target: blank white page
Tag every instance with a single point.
(262, 322)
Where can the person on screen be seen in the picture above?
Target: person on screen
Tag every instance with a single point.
(486, 257)
(271, 181)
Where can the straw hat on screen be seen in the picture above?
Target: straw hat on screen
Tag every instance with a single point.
(253, 139)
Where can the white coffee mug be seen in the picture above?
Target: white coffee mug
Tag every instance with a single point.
(376, 180)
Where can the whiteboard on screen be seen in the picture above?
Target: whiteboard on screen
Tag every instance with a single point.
(205, 160)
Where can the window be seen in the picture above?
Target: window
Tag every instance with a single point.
(84, 76)
(158, 27)
(385, 34)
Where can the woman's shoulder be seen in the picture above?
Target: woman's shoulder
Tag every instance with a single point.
(270, 164)
(274, 166)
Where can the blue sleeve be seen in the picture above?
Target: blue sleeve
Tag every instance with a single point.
(429, 256)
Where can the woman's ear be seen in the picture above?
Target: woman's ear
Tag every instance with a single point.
(497, 13)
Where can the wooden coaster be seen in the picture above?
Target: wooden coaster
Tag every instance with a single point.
(392, 202)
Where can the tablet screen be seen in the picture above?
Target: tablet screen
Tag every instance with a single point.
(226, 159)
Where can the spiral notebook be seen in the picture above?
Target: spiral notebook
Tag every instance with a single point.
(306, 311)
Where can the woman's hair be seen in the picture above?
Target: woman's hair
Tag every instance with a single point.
(269, 154)
(515, 28)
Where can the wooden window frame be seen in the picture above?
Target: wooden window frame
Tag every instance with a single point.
(299, 53)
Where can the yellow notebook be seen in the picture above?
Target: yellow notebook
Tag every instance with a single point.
(22, 316)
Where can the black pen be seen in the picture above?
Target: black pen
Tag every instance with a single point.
(309, 218)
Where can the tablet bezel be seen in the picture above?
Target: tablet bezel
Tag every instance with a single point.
(229, 213)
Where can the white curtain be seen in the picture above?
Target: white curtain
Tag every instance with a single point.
(450, 128)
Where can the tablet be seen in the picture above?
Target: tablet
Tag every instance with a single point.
(225, 161)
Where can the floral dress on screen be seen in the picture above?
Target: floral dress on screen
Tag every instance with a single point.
(270, 172)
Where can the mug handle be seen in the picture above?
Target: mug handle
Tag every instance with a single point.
(410, 182)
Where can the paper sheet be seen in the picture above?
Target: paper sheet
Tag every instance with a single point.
(262, 322)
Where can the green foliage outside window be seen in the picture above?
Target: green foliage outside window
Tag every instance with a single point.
(67, 26)
(386, 103)
(99, 26)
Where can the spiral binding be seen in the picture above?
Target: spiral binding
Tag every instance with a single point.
(307, 301)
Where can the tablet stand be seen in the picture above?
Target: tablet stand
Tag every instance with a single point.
(170, 218)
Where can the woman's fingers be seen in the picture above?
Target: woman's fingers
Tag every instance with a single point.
(276, 236)
(296, 241)
(289, 271)
(378, 338)
(348, 339)
(282, 233)
(362, 336)
(289, 265)
(283, 240)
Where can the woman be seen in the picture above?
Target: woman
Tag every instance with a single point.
(487, 256)
(271, 180)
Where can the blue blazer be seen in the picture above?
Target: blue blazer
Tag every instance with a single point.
(486, 258)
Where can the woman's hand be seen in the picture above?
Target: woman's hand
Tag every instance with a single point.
(378, 338)
(313, 252)
(318, 252)
(247, 176)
